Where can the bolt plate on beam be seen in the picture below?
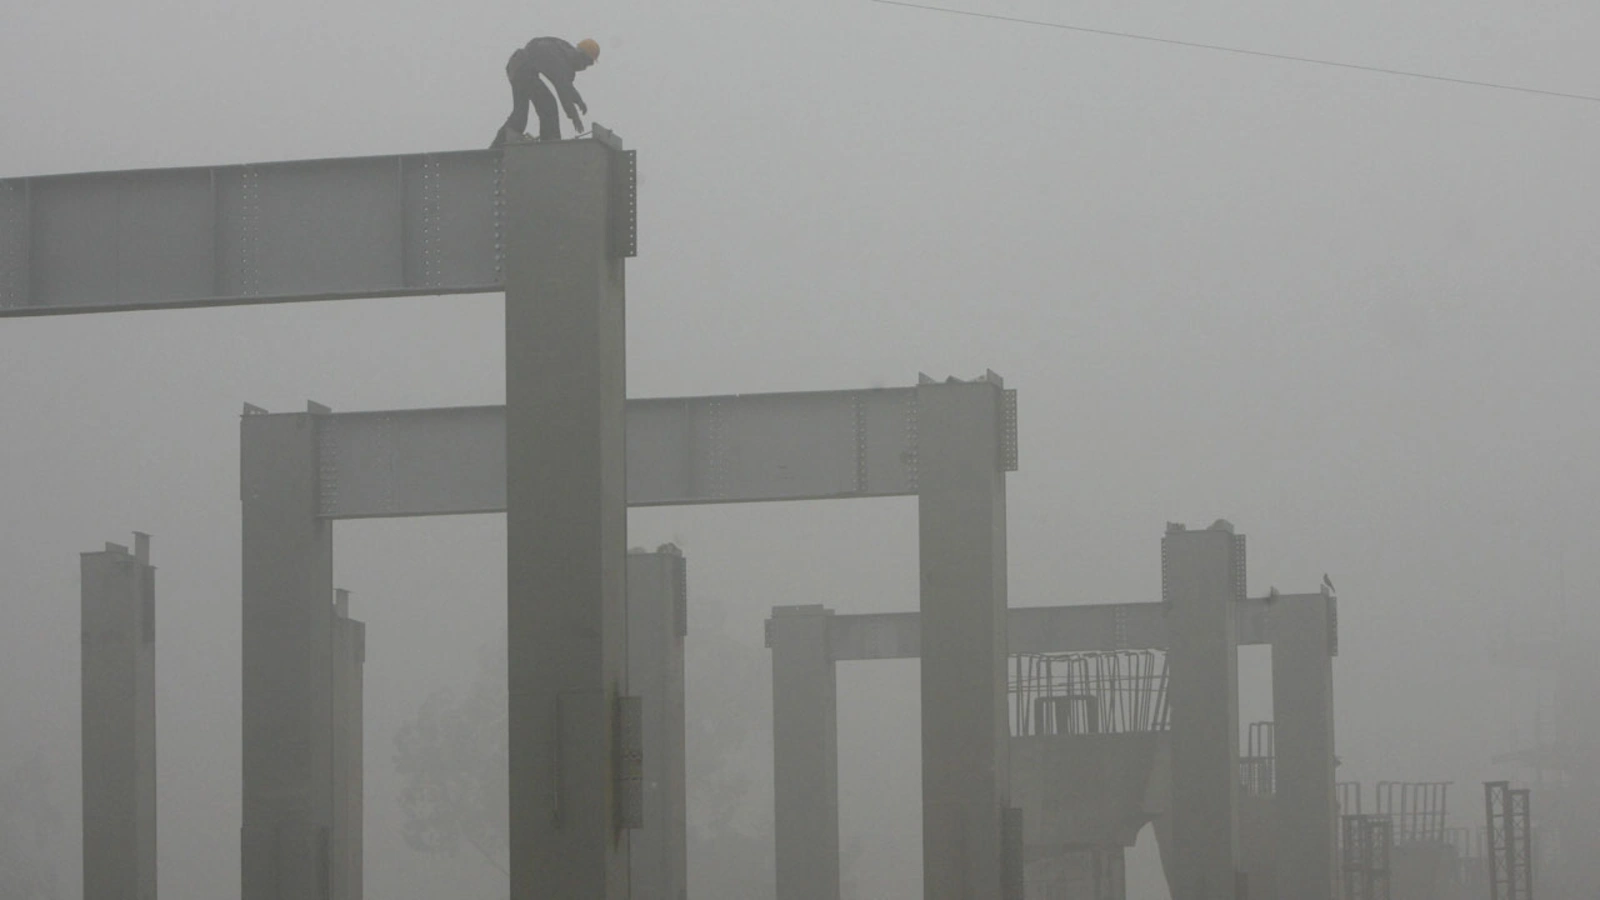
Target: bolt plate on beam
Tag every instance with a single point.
(1008, 430)
(624, 200)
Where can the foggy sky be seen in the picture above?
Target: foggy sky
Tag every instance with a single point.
(1350, 313)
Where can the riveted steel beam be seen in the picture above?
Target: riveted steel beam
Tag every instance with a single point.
(378, 226)
(729, 449)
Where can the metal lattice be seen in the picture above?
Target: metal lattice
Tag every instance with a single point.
(1417, 809)
(1510, 841)
(1522, 841)
(1365, 858)
(1089, 693)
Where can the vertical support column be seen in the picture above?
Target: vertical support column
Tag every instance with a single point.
(566, 521)
(1522, 841)
(805, 753)
(119, 723)
(349, 657)
(287, 650)
(1497, 809)
(1112, 874)
(1202, 580)
(1301, 630)
(961, 521)
(658, 619)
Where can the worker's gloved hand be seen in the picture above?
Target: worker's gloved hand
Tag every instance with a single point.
(577, 125)
(582, 106)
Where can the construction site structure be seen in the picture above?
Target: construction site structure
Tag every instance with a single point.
(1095, 732)
(119, 722)
(685, 450)
(1560, 759)
(550, 224)
(1509, 820)
(1413, 854)
(347, 863)
(658, 622)
(1366, 857)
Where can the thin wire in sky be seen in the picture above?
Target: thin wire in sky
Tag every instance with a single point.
(1240, 51)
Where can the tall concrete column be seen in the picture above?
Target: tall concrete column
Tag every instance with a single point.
(658, 619)
(1111, 878)
(962, 529)
(1303, 645)
(566, 521)
(349, 658)
(805, 753)
(1202, 581)
(119, 723)
(287, 671)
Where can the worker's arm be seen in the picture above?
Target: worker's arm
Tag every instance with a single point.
(571, 101)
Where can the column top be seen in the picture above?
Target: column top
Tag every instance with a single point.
(812, 609)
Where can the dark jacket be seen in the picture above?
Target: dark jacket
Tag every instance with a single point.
(557, 61)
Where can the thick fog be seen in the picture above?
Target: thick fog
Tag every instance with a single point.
(1351, 313)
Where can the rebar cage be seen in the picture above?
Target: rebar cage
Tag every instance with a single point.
(1417, 809)
(1257, 769)
(1112, 692)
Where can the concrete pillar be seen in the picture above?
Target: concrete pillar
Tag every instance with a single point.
(962, 529)
(1111, 874)
(349, 657)
(658, 619)
(566, 521)
(1303, 644)
(287, 644)
(1202, 581)
(805, 753)
(119, 723)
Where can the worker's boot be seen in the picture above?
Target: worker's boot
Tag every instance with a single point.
(507, 136)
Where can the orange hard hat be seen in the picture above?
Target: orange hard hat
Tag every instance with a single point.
(589, 47)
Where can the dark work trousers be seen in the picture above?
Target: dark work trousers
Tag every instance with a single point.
(527, 87)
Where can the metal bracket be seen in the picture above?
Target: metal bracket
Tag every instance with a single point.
(605, 135)
(859, 414)
(16, 235)
(1008, 429)
(623, 216)
(1238, 568)
(327, 463)
(1333, 624)
(680, 597)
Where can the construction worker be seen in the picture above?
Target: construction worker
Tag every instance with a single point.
(559, 62)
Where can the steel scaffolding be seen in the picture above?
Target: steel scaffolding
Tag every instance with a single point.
(1367, 840)
(1510, 841)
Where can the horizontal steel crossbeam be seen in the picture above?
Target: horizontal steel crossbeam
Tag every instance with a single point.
(1032, 629)
(728, 449)
(307, 230)
(1043, 629)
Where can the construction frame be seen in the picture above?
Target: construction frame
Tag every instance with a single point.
(1509, 816)
(550, 224)
(1203, 588)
